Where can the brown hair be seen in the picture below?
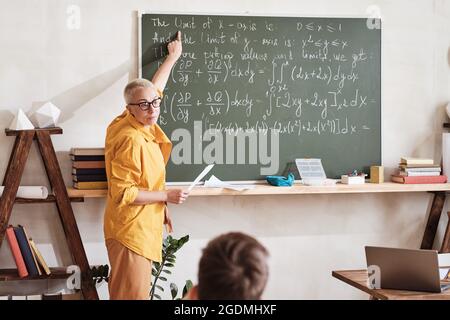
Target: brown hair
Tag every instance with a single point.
(233, 266)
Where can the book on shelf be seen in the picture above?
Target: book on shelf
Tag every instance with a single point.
(34, 297)
(434, 169)
(39, 257)
(88, 171)
(419, 180)
(90, 185)
(87, 151)
(32, 252)
(87, 158)
(26, 251)
(89, 178)
(88, 164)
(411, 160)
(419, 173)
(4, 297)
(15, 250)
(419, 166)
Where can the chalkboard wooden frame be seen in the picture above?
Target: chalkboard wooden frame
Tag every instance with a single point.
(248, 14)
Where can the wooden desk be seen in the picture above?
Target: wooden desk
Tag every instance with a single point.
(358, 279)
(265, 189)
(439, 191)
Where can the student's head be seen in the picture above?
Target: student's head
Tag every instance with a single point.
(142, 101)
(232, 266)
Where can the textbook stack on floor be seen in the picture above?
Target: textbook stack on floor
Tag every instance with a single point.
(28, 259)
(418, 170)
(88, 168)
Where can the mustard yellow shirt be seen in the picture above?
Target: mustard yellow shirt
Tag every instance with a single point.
(135, 158)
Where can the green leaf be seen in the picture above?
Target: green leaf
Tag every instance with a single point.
(172, 260)
(163, 278)
(173, 290)
(159, 287)
(157, 296)
(167, 271)
(187, 287)
(169, 265)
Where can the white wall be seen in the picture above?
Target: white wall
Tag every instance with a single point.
(83, 72)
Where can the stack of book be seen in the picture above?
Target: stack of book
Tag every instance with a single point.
(45, 296)
(88, 168)
(28, 259)
(418, 170)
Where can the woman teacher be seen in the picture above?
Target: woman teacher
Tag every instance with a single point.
(136, 152)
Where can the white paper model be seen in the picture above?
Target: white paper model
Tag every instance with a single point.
(47, 115)
(21, 122)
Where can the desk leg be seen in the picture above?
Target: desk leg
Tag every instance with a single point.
(433, 220)
(445, 248)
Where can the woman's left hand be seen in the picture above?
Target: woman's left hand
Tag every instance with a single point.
(175, 47)
(167, 220)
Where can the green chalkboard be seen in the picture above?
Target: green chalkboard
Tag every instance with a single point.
(253, 93)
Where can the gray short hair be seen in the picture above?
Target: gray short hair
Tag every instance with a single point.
(132, 85)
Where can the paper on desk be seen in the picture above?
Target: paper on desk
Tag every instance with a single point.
(200, 176)
(214, 182)
(443, 273)
(444, 264)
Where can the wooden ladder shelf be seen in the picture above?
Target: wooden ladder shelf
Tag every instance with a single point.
(11, 181)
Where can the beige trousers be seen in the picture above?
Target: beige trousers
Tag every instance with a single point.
(130, 273)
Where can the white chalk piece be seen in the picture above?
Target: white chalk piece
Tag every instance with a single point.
(21, 122)
(30, 192)
(47, 115)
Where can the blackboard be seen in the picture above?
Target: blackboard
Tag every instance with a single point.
(311, 83)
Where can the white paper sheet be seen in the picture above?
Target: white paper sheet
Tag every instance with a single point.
(30, 192)
(200, 176)
(214, 182)
(446, 154)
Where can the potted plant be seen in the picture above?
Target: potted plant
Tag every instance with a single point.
(161, 269)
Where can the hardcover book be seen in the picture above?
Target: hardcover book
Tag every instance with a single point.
(419, 180)
(15, 250)
(26, 251)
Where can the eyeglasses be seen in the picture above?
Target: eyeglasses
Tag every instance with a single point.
(145, 105)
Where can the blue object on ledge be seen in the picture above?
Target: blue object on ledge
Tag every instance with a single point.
(281, 181)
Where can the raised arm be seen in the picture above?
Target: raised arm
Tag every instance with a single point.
(162, 74)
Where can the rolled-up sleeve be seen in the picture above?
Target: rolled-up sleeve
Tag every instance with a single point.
(125, 172)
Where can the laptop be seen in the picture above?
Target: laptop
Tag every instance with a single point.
(406, 269)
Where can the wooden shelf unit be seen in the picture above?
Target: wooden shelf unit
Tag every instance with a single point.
(12, 275)
(49, 199)
(11, 181)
